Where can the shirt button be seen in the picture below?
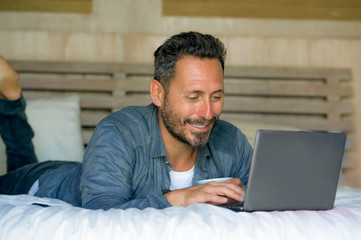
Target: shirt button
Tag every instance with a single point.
(167, 186)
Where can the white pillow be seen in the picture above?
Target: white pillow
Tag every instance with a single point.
(56, 124)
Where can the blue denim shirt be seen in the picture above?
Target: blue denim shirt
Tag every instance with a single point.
(125, 164)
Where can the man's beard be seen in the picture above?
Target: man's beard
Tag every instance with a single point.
(176, 127)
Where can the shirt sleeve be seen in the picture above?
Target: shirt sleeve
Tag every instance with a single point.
(107, 176)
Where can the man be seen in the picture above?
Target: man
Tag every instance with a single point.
(152, 156)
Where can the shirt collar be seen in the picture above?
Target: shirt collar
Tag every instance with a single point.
(157, 144)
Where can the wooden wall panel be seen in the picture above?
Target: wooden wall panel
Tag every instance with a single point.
(70, 6)
(290, 9)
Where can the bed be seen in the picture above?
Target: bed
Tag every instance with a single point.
(21, 220)
(75, 96)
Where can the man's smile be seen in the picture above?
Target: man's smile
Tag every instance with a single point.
(199, 126)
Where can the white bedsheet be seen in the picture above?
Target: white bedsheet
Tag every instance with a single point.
(21, 220)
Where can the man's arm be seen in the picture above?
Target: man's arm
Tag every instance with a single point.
(108, 173)
(215, 193)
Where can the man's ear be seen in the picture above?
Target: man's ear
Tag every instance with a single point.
(157, 92)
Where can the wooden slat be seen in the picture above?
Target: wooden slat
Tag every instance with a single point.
(86, 134)
(267, 87)
(134, 84)
(35, 94)
(288, 73)
(67, 84)
(91, 119)
(279, 105)
(313, 124)
(80, 67)
(111, 102)
(96, 101)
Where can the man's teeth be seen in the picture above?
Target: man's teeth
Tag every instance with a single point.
(198, 126)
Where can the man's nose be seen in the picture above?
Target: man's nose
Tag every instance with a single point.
(205, 110)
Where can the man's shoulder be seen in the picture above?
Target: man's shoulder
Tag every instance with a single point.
(136, 124)
(132, 115)
(131, 121)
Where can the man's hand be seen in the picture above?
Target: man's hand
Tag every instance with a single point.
(215, 193)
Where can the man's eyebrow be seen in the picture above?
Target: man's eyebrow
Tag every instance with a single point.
(218, 91)
(199, 91)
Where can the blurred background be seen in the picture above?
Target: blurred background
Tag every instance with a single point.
(307, 33)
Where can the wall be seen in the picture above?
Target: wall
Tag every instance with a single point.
(130, 30)
(145, 16)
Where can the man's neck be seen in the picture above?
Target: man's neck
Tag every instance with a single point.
(182, 159)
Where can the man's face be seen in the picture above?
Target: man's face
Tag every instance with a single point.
(194, 101)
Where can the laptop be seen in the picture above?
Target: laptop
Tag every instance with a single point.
(293, 170)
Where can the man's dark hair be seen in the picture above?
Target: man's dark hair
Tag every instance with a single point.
(181, 45)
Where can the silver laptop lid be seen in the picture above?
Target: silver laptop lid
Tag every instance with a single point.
(293, 170)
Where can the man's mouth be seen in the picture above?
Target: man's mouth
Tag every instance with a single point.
(200, 123)
(199, 126)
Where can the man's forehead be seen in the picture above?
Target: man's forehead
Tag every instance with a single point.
(196, 65)
(188, 75)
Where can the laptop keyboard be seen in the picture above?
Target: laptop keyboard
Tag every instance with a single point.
(233, 206)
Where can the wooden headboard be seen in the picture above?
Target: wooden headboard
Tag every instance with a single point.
(309, 98)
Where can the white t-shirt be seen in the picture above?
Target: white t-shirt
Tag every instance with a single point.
(179, 180)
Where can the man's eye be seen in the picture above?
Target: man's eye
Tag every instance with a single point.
(216, 98)
(192, 98)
